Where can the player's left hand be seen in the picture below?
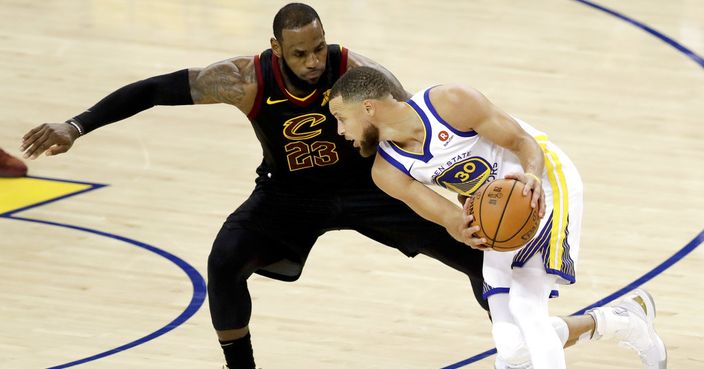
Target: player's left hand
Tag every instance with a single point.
(532, 184)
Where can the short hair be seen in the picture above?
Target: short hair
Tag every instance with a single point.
(292, 16)
(362, 83)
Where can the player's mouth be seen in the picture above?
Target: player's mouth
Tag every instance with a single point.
(314, 75)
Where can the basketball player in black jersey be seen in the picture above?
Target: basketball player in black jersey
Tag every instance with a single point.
(311, 180)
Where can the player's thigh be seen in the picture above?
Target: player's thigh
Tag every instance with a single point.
(265, 228)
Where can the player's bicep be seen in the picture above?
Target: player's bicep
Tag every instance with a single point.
(355, 60)
(468, 109)
(223, 82)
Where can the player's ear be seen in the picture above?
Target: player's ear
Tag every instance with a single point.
(369, 107)
(276, 47)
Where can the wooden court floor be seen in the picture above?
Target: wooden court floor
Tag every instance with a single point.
(125, 262)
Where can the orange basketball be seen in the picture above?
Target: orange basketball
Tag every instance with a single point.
(506, 219)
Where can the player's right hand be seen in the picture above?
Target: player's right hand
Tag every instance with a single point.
(49, 138)
(469, 231)
(469, 237)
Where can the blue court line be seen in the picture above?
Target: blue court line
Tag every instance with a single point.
(668, 40)
(199, 286)
(671, 260)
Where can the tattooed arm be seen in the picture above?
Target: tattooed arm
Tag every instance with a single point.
(232, 81)
(355, 60)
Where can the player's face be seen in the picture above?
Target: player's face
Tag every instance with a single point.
(353, 123)
(304, 51)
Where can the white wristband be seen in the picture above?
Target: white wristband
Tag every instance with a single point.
(76, 125)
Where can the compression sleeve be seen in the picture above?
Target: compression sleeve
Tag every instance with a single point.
(166, 89)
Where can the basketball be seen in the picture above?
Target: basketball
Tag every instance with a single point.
(506, 219)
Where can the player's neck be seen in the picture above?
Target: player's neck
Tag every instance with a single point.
(398, 122)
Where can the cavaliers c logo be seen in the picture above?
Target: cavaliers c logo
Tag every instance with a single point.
(301, 127)
(465, 176)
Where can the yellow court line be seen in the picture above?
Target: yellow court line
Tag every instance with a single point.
(17, 193)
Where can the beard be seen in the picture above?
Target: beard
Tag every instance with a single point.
(297, 82)
(369, 142)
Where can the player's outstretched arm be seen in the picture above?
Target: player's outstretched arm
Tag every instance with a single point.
(426, 202)
(231, 81)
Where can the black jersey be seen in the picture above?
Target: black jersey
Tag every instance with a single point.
(299, 135)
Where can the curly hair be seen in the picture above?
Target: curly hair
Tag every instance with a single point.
(362, 83)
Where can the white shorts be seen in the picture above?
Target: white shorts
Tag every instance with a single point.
(557, 239)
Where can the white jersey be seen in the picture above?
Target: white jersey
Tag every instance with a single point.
(463, 161)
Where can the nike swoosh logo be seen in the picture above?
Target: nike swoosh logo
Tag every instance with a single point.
(269, 101)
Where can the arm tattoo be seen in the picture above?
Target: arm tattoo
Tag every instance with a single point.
(223, 82)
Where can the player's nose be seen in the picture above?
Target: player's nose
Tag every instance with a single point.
(312, 61)
(340, 129)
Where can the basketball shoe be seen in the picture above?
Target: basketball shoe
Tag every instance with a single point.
(10, 166)
(631, 322)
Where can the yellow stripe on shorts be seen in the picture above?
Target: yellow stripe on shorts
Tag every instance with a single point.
(558, 183)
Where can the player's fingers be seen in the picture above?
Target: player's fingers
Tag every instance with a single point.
(46, 145)
(29, 139)
(465, 221)
(535, 200)
(541, 213)
(33, 131)
(479, 246)
(467, 205)
(462, 199)
(33, 150)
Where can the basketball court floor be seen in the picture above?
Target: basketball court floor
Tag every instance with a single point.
(103, 250)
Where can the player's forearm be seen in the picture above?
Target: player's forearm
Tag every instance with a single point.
(433, 207)
(167, 89)
(530, 155)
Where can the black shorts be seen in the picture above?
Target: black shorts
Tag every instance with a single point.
(287, 222)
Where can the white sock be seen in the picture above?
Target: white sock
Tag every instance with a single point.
(563, 332)
(610, 322)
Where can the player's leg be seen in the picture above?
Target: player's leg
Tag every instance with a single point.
(528, 304)
(511, 350)
(271, 234)
(236, 254)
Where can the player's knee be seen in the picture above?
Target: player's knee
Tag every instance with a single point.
(226, 261)
(510, 346)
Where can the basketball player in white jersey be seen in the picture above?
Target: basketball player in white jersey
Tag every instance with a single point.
(454, 137)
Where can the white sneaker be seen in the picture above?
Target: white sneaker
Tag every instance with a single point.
(631, 322)
(500, 364)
